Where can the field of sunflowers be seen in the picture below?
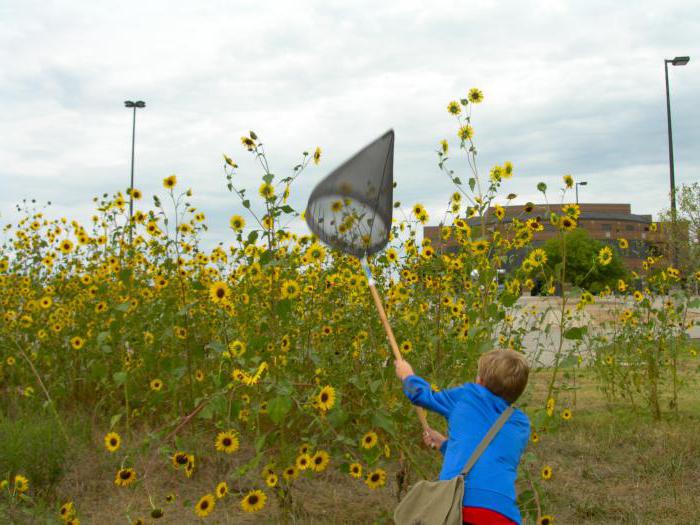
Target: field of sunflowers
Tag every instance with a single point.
(245, 382)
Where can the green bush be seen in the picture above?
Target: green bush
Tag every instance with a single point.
(32, 445)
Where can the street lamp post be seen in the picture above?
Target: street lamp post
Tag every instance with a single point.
(584, 183)
(678, 61)
(134, 105)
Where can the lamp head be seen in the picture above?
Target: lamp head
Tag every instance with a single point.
(584, 183)
(680, 61)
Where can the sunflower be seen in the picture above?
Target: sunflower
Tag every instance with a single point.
(444, 146)
(72, 521)
(605, 255)
(568, 181)
(466, 132)
(538, 257)
(199, 376)
(566, 414)
(356, 470)
(169, 182)
(326, 398)
(189, 468)
(46, 302)
(535, 437)
(369, 440)
(77, 342)
(376, 479)
(219, 291)
(638, 296)
(100, 307)
(221, 489)
(320, 461)
(572, 210)
(290, 289)
(21, 484)
(303, 461)
(499, 212)
(317, 155)
(170, 498)
(454, 108)
(480, 247)
(156, 385)
(267, 191)
(237, 348)
(237, 223)
(290, 473)
(406, 347)
(125, 477)
(205, 506)
(66, 246)
(66, 511)
(475, 96)
(179, 459)
(113, 441)
(567, 223)
(180, 332)
(253, 501)
(546, 472)
(271, 480)
(546, 520)
(227, 442)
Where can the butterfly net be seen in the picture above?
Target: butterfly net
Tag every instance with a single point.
(350, 209)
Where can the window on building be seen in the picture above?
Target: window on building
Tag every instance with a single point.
(629, 227)
(606, 227)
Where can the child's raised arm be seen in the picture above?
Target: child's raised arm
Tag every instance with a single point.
(419, 392)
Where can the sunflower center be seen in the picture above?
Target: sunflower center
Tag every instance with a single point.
(113, 442)
(375, 477)
(227, 442)
(124, 474)
(324, 397)
(253, 500)
(204, 505)
(220, 293)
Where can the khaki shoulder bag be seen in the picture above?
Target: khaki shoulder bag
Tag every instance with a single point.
(440, 502)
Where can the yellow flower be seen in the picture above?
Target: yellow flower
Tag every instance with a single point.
(77, 342)
(538, 257)
(356, 470)
(499, 212)
(271, 480)
(253, 501)
(205, 506)
(605, 255)
(21, 484)
(227, 442)
(237, 223)
(369, 440)
(169, 182)
(566, 414)
(267, 191)
(568, 181)
(623, 243)
(454, 108)
(546, 520)
(638, 296)
(475, 96)
(125, 477)
(112, 441)
(156, 385)
(67, 511)
(444, 146)
(326, 398)
(237, 348)
(319, 461)
(221, 489)
(466, 132)
(376, 479)
(219, 292)
(303, 461)
(317, 156)
(507, 169)
(546, 472)
(290, 289)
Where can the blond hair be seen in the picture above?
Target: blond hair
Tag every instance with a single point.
(504, 373)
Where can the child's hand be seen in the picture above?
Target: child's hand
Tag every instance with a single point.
(403, 369)
(433, 438)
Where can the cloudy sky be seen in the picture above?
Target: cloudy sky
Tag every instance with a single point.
(570, 87)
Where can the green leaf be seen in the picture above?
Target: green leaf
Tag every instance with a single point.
(124, 307)
(287, 209)
(252, 237)
(472, 183)
(457, 180)
(246, 203)
(542, 187)
(575, 332)
(260, 443)
(278, 407)
(268, 177)
(119, 378)
(115, 419)
(338, 418)
(384, 422)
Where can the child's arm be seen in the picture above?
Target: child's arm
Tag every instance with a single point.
(434, 439)
(418, 391)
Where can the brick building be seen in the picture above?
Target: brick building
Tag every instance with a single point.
(604, 222)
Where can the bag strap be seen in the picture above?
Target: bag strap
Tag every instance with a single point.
(487, 439)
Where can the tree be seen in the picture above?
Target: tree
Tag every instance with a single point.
(684, 232)
(582, 267)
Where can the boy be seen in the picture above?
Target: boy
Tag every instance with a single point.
(470, 410)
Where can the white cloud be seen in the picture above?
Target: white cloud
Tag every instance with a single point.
(571, 87)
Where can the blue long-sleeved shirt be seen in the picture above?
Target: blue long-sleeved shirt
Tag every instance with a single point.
(470, 410)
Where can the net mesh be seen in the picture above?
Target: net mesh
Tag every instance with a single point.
(351, 208)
